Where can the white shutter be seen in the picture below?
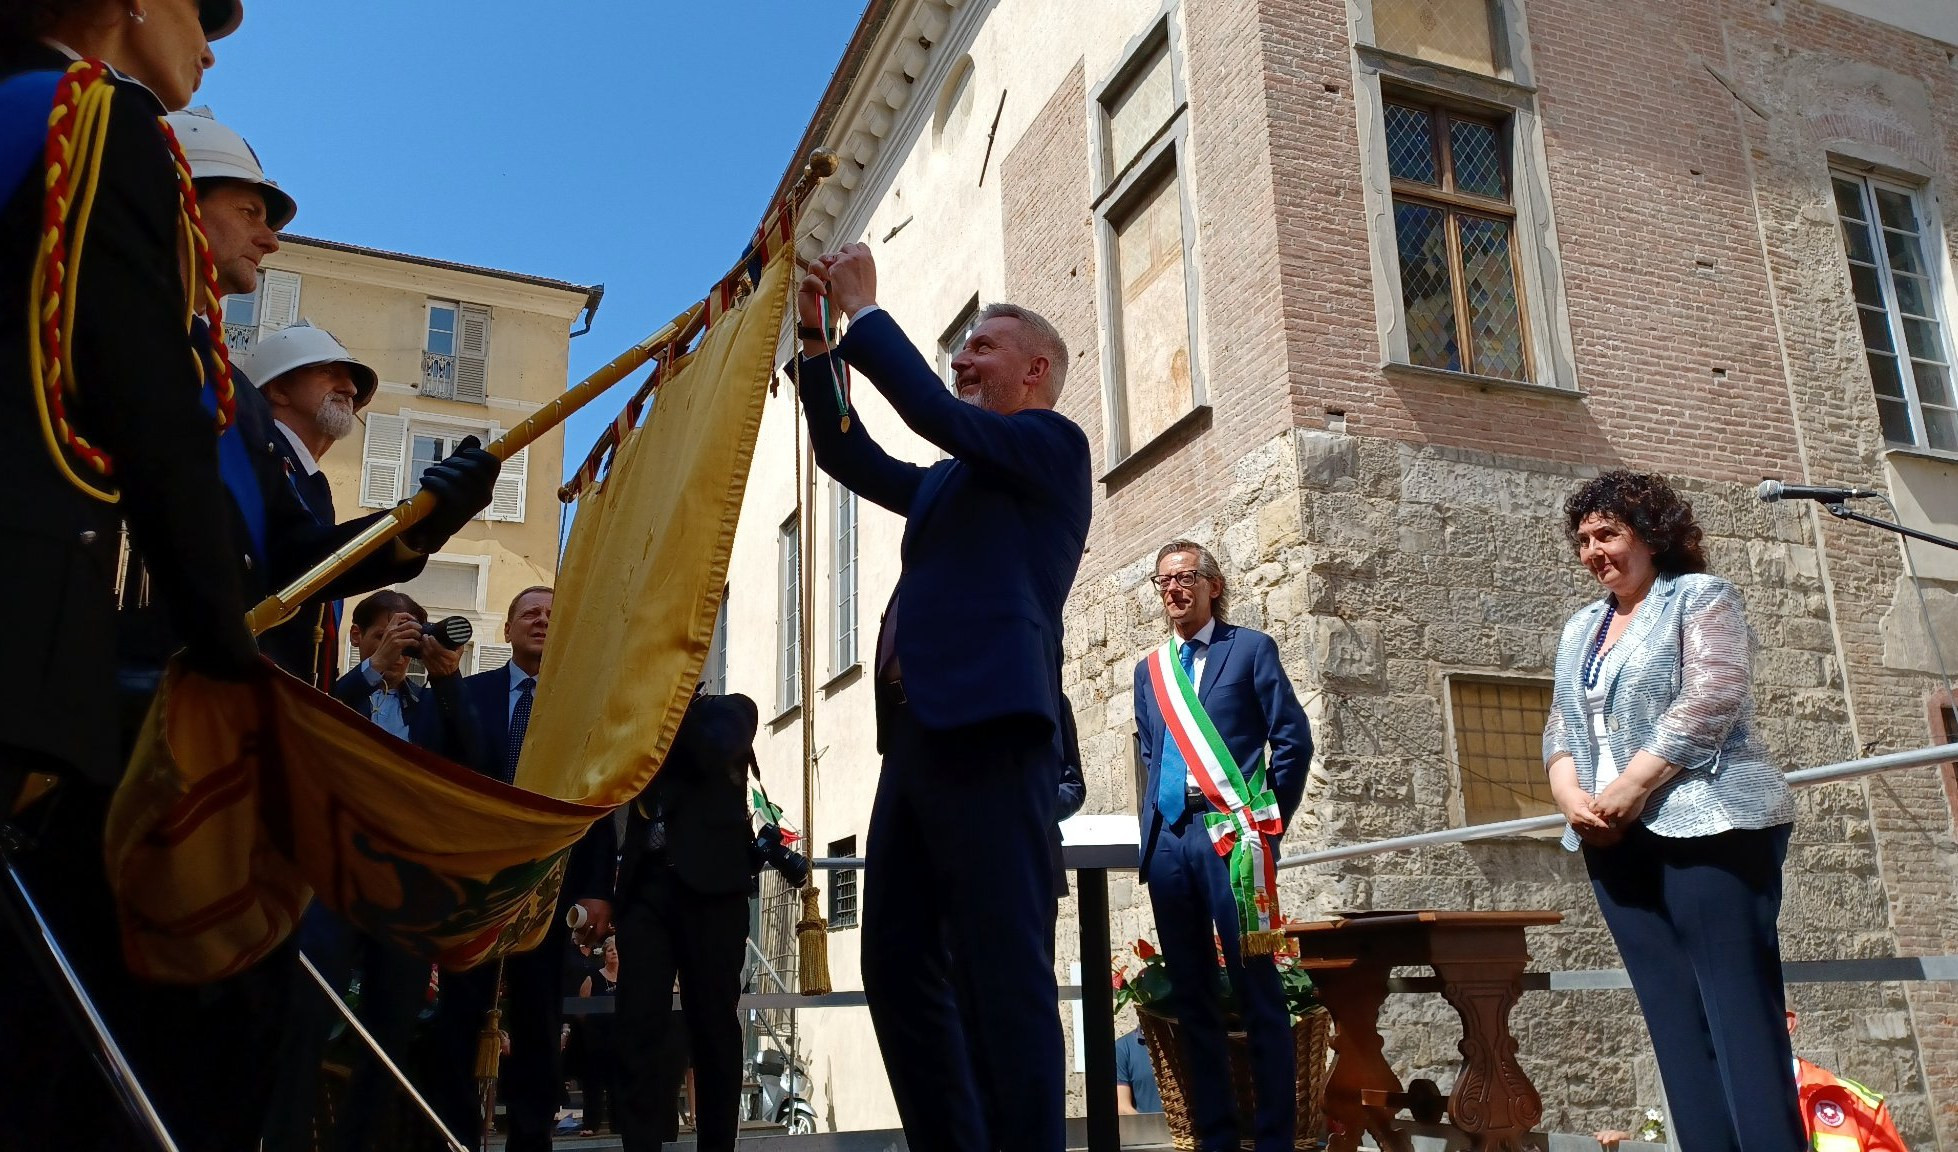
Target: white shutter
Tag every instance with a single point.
(512, 487)
(381, 460)
(472, 354)
(491, 656)
(278, 301)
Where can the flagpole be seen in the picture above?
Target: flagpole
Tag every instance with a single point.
(281, 605)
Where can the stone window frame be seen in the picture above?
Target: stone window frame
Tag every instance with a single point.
(1881, 165)
(1165, 156)
(1457, 794)
(1550, 348)
(788, 614)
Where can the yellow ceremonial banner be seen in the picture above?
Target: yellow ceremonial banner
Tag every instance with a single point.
(244, 800)
(643, 573)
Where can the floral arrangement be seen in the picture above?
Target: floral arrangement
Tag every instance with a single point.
(1654, 1129)
(1147, 986)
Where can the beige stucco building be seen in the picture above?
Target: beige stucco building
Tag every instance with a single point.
(1357, 291)
(460, 351)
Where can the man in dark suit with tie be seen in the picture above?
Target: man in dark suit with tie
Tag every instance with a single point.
(685, 875)
(313, 388)
(958, 913)
(1232, 675)
(499, 703)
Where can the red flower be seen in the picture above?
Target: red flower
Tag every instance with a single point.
(1145, 950)
(1120, 979)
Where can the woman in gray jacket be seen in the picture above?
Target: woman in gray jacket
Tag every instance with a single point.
(1655, 759)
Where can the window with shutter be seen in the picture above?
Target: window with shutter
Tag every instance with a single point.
(472, 355)
(381, 460)
(512, 487)
(278, 305)
(491, 656)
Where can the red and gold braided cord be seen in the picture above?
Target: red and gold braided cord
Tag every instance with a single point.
(78, 128)
(204, 291)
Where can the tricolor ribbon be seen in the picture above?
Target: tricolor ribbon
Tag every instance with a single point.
(1243, 812)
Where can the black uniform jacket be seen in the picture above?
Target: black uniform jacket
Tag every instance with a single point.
(137, 397)
(701, 796)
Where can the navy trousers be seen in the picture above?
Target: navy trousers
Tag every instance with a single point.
(958, 938)
(1189, 889)
(1694, 918)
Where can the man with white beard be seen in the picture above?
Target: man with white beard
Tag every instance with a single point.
(313, 387)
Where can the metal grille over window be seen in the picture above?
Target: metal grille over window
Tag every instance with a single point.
(1458, 33)
(843, 886)
(1499, 748)
(1895, 285)
(1453, 223)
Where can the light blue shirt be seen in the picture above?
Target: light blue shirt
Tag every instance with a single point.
(517, 677)
(386, 707)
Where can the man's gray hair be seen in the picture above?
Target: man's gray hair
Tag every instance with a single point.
(1041, 339)
(1207, 567)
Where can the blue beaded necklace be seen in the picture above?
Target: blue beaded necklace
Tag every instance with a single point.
(1594, 663)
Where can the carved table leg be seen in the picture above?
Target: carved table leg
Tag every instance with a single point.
(1353, 996)
(1494, 1102)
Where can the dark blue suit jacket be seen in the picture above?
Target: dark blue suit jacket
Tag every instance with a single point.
(437, 717)
(1253, 706)
(594, 862)
(292, 645)
(992, 536)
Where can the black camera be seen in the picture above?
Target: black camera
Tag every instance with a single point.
(451, 633)
(769, 849)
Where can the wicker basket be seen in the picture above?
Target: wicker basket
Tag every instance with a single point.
(1312, 1037)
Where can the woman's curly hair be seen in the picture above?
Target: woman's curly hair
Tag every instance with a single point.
(1646, 504)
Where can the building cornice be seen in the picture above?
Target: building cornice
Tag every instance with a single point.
(489, 286)
(882, 94)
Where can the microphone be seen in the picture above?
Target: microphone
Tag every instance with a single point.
(1773, 490)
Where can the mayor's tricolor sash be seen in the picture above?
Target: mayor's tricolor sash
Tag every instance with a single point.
(1245, 812)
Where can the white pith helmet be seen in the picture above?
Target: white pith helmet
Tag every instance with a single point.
(300, 346)
(215, 152)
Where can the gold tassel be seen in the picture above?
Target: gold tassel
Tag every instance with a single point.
(1266, 944)
(489, 1046)
(812, 945)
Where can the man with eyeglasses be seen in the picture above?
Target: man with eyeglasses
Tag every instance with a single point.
(958, 901)
(1227, 746)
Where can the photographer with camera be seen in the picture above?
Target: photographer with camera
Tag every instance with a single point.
(690, 864)
(390, 631)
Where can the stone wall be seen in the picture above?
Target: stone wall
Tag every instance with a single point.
(1380, 566)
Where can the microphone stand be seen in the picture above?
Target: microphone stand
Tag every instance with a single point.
(1840, 512)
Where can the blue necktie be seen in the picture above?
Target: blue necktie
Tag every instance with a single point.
(519, 724)
(1172, 786)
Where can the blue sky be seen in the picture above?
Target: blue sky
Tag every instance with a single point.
(632, 143)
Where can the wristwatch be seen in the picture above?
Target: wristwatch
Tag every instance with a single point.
(811, 332)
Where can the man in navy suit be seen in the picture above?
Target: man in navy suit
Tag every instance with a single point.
(1241, 686)
(958, 908)
(499, 703)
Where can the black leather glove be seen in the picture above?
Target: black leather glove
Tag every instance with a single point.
(463, 485)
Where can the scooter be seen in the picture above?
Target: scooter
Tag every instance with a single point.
(784, 1093)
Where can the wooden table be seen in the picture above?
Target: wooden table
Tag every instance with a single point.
(1478, 960)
